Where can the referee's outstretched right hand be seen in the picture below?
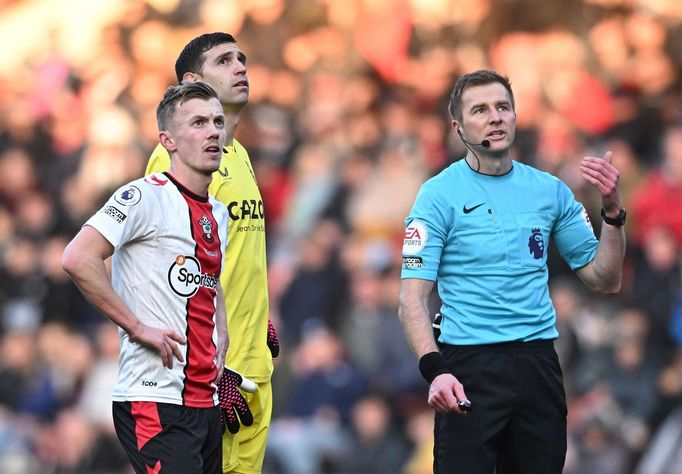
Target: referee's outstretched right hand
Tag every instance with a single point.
(233, 406)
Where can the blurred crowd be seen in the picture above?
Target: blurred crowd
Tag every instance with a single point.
(347, 117)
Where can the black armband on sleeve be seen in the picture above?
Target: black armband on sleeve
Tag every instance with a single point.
(432, 365)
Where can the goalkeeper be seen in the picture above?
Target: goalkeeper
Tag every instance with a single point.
(216, 59)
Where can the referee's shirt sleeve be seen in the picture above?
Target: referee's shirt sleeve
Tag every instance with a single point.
(425, 235)
(573, 233)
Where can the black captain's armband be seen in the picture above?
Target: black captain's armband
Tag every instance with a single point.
(432, 365)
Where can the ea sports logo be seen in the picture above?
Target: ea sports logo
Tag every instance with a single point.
(185, 276)
(415, 238)
(412, 233)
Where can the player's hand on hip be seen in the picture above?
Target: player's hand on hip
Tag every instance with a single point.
(272, 340)
(234, 411)
(601, 174)
(445, 394)
(163, 341)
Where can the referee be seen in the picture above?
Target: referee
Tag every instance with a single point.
(481, 229)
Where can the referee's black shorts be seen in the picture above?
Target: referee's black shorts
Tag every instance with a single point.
(165, 438)
(518, 421)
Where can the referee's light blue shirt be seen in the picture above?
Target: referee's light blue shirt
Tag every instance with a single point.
(484, 239)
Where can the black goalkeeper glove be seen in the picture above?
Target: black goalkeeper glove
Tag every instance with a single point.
(273, 340)
(233, 406)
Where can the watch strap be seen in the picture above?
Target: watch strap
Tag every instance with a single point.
(617, 221)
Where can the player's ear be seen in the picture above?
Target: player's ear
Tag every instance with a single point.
(190, 77)
(167, 141)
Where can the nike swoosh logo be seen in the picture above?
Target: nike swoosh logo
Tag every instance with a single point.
(223, 172)
(467, 210)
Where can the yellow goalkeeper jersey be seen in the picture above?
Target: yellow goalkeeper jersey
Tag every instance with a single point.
(244, 275)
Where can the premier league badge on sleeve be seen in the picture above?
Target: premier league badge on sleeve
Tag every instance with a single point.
(586, 218)
(128, 195)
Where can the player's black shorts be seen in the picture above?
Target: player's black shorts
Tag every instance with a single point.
(165, 438)
(518, 418)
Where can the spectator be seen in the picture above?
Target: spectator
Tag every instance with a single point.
(655, 204)
(374, 438)
(313, 430)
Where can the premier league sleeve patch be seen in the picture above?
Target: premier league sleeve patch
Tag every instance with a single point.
(586, 217)
(415, 238)
(128, 195)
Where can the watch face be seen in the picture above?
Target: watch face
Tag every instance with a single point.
(621, 216)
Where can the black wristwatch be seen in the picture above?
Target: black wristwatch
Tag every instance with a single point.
(615, 221)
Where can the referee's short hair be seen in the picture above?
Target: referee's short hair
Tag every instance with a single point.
(176, 95)
(476, 78)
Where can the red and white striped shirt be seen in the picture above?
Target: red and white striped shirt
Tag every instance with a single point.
(166, 267)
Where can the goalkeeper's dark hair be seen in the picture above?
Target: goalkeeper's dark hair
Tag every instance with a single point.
(176, 95)
(192, 58)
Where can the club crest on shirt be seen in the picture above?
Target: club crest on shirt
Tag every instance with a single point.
(207, 227)
(128, 196)
(415, 238)
(536, 243)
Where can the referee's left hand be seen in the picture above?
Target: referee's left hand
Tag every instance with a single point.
(444, 393)
(601, 174)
